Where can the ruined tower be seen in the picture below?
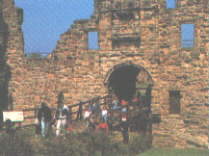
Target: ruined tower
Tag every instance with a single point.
(11, 48)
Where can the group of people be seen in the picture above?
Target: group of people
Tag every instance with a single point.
(46, 120)
(96, 118)
(113, 116)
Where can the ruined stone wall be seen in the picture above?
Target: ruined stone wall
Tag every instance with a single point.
(13, 47)
(160, 53)
(26, 82)
(149, 39)
(185, 70)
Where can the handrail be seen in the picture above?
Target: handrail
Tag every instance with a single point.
(79, 111)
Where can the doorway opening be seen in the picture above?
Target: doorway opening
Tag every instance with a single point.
(122, 82)
(132, 83)
(127, 80)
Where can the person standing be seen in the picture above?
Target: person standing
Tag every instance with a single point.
(115, 105)
(124, 121)
(62, 115)
(103, 127)
(86, 113)
(124, 128)
(104, 114)
(86, 116)
(44, 119)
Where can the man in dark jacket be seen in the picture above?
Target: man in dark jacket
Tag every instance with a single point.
(44, 118)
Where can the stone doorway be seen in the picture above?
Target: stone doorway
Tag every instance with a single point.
(133, 84)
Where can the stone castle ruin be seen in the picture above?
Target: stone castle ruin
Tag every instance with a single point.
(141, 48)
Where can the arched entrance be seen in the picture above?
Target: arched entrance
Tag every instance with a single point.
(133, 84)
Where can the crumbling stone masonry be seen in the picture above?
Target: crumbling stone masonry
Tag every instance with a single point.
(139, 34)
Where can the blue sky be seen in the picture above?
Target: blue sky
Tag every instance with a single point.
(46, 20)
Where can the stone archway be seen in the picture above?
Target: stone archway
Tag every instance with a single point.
(125, 80)
(128, 81)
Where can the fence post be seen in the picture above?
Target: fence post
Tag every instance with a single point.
(80, 110)
(35, 112)
(110, 99)
(70, 113)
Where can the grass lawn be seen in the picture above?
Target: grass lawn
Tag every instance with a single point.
(176, 152)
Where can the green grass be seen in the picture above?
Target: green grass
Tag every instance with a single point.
(175, 152)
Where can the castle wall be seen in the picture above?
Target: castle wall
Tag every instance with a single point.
(13, 47)
(155, 45)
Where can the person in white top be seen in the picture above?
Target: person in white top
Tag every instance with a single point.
(62, 119)
(104, 114)
(86, 114)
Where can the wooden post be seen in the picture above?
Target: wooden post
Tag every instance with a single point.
(80, 111)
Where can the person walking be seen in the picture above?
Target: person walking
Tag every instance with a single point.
(44, 119)
(62, 115)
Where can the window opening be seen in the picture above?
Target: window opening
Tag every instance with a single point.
(187, 35)
(93, 41)
(171, 4)
(125, 42)
(174, 100)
